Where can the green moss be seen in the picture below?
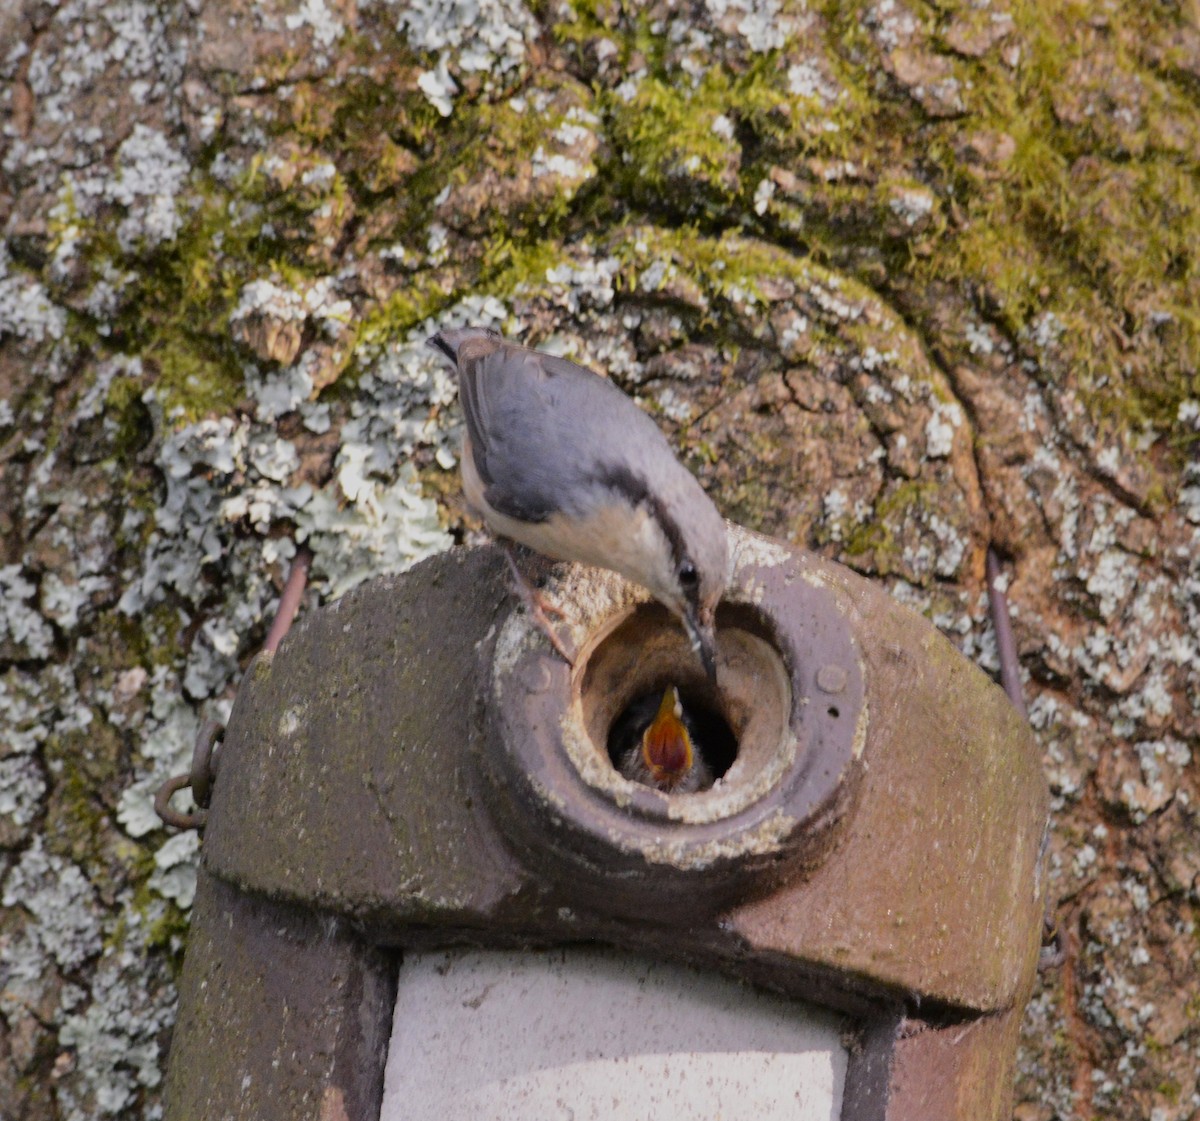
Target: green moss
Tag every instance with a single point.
(516, 168)
(1169, 1089)
(78, 818)
(876, 537)
(162, 626)
(666, 143)
(630, 28)
(393, 318)
(868, 538)
(521, 266)
(1092, 216)
(175, 315)
(702, 148)
(667, 154)
(752, 503)
(123, 401)
(375, 95)
(169, 932)
(728, 268)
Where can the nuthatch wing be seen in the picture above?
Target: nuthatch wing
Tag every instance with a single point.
(665, 756)
(557, 458)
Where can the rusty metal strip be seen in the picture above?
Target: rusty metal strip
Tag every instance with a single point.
(1006, 644)
(1053, 952)
(289, 602)
(206, 751)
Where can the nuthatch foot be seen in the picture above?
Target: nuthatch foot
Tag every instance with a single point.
(557, 458)
(666, 755)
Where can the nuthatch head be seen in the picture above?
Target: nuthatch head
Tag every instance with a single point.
(557, 458)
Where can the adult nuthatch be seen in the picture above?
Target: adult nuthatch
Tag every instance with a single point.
(557, 458)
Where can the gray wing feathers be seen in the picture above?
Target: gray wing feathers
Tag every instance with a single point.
(505, 422)
(540, 429)
(476, 429)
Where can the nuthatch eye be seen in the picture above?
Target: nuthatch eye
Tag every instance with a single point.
(557, 458)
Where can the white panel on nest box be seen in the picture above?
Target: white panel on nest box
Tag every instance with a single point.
(484, 1035)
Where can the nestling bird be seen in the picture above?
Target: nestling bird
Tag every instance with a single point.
(666, 756)
(557, 458)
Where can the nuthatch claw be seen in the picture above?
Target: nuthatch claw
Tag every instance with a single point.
(538, 608)
(557, 458)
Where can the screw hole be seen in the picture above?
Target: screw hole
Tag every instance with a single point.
(833, 711)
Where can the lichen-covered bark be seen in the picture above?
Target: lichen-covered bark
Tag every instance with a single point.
(900, 279)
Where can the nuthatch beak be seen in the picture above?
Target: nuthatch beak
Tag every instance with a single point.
(702, 635)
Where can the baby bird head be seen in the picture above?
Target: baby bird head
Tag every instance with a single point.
(666, 745)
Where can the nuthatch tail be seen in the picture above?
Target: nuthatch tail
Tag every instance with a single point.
(666, 756)
(557, 458)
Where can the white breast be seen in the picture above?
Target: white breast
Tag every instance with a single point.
(614, 535)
